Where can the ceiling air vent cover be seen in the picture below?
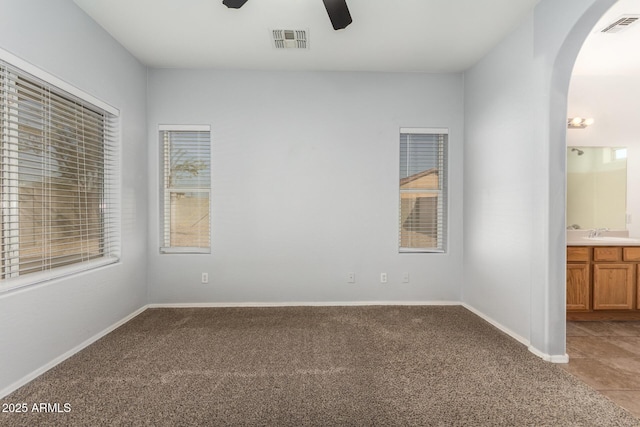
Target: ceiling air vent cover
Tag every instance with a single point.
(290, 39)
(620, 24)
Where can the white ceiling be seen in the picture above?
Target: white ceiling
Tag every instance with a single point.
(612, 54)
(386, 35)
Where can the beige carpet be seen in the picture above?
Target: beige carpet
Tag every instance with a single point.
(311, 366)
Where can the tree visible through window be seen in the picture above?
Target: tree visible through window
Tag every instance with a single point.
(57, 161)
(423, 189)
(186, 188)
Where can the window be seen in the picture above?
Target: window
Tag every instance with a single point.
(423, 190)
(619, 153)
(58, 182)
(186, 178)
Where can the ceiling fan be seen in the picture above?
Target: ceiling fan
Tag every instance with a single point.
(337, 10)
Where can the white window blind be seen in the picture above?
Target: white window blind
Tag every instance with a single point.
(58, 181)
(185, 199)
(423, 190)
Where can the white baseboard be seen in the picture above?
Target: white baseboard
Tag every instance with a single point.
(544, 356)
(559, 359)
(503, 328)
(33, 375)
(564, 358)
(296, 304)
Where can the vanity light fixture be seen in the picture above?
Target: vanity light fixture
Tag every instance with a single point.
(579, 122)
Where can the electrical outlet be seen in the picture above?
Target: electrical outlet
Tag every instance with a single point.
(205, 277)
(405, 277)
(383, 277)
(351, 277)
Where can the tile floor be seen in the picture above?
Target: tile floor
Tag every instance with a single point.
(606, 355)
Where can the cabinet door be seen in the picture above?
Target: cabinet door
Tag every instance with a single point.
(578, 287)
(613, 286)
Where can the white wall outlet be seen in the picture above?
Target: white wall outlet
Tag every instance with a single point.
(628, 218)
(205, 277)
(405, 277)
(351, 277)
(383, 277)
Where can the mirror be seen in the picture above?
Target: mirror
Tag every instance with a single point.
(596, 187)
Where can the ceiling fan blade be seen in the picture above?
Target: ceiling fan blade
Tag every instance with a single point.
(234, 4)
(338, 13)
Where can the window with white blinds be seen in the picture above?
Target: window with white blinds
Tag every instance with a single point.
(185, 198)
(58, 181)
(423, 190)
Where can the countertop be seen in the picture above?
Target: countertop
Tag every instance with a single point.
(606, 238)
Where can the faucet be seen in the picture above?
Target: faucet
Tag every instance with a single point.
(597, 231)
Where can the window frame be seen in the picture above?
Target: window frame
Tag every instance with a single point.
(442, 192)
(164, 246)
(111, 176)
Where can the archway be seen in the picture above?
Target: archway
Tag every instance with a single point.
(558, 101)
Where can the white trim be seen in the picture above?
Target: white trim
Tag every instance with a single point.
(548, 357)
(36, 373)
(422, 131)
(503, 328)
(559, 358)
(178, 128)
(299, 304)
(184, 250)
(55, 81)
(54, 273)
(544, 356)
(402, 250)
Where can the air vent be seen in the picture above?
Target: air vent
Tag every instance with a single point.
(290, 39)
(620, 24)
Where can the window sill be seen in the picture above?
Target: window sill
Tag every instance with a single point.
(57, 273)
(185, 250)
(421, 251)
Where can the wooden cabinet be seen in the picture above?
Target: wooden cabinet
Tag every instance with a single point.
(578, 283)
(614, 287)
(607, 254)
(631, 254)
(578, 254)
(603, 282)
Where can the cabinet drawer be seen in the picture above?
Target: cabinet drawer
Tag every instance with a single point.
(577, 254)
(631, 254)
(607, 254)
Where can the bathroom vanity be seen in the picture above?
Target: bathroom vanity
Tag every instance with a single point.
(603, 278)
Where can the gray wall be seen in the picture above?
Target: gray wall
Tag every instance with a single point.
(305, 185)
(499, 180)
(515, 129)
(40, 323)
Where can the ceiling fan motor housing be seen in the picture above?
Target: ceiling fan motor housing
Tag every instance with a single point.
(338, 13)
(234, 4)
